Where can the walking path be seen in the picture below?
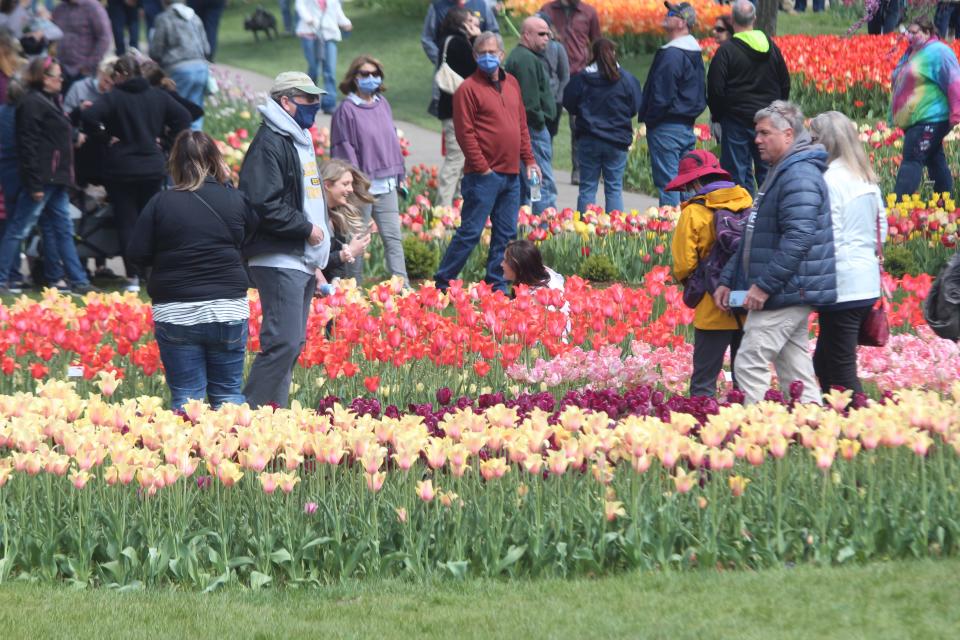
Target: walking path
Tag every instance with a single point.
(425, 146)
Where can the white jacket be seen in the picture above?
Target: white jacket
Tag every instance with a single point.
(854, 205)
(325, 24)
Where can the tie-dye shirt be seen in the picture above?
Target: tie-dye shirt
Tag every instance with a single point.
(926, 86)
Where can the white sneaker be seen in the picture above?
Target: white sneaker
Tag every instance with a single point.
(133, 285)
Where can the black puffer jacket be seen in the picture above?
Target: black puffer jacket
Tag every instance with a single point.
(44, 143)
(742, 79)
(460, 58)
(137, 115)
(272, 179)
(789, 234)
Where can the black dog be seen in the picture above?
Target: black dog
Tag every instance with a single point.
(261, 20)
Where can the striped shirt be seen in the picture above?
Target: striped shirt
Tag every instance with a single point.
(203, 312)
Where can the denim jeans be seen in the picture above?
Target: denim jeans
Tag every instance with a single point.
(288, 13)
(801, 5)
(739, 155)
(947, 15)
(887, 17)
(210, 12)
(668, 142)
(923, 147)
(495, 196)
(55, 205)
(151, 9)
(191, 79)
(313, 52)
(203, 360)
(542, 145)
(123, 16)
(597, 158)
(329, 102)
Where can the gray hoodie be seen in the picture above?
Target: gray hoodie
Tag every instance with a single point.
(314, 257)
(178, 37)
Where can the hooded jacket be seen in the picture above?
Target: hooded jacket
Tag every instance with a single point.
(44, 143)
(604, 109)
(675, 90)
(747, 74)
(692, 241)
(787, 248)
(178, 37)
(136, 114)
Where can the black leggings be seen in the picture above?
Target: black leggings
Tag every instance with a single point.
(128, 198)
(835, 358)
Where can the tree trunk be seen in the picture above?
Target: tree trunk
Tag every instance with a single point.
(767, 16)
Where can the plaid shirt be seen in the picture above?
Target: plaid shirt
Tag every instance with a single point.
(86, 35)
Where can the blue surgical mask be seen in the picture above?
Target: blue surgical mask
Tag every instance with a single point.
(369, 85)
(488, 62)
(306, 114)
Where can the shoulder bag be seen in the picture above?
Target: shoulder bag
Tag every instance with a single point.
(875, 328)
(447, 79)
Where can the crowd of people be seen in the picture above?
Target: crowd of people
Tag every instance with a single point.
(787, 221)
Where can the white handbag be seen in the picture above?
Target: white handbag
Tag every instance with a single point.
(447, 79)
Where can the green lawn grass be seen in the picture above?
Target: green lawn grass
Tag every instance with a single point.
(882, 600)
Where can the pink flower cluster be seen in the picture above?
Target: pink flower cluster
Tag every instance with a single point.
(607, 368)
(908, 360)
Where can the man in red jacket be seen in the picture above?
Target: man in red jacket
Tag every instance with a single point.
(490, 123)
(577, 25)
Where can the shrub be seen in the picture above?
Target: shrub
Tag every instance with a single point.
(899, 261)
(599, 268)
(422, 258)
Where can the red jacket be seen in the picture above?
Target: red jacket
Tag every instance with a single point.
(577, 27)
(491, 124)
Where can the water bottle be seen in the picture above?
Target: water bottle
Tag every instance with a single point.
(534, 182)
(327, 289)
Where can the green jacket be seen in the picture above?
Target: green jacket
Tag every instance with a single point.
(531, 73)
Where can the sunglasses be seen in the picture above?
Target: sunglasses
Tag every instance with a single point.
(543, 34)
(367, 74)
(719, 29)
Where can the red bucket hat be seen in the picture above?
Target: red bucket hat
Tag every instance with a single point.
(696, 164)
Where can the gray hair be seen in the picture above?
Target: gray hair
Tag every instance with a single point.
(483, 37)
(784, 115)
(744, 13)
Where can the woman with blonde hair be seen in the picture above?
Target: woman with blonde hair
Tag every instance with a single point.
(190, 238)
(859, 222)
(345, 191)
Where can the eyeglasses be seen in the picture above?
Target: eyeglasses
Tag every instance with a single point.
(367, 74)
(58, 76)
(719, 29)
(543, 34)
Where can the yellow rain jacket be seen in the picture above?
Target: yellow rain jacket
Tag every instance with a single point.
(692, 241)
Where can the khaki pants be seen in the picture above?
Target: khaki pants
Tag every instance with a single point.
(780, 337)
(448, 181)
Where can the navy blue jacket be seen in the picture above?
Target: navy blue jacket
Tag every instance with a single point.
(604, 109)
(790, 234)
(676, 87)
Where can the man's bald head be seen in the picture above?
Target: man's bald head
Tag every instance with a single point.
(535, 34)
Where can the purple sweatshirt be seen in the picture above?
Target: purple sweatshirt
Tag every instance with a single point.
(364, 135)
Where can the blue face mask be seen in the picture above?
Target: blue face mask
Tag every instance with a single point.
(488, 62)
(306, 114)
(369, 85)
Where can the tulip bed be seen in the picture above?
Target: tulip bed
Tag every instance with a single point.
(121, 494)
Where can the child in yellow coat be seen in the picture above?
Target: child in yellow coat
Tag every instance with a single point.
(714, 330)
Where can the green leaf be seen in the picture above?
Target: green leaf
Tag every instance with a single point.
(240, 561)
(136, 585)
(457, 568)
(258, 580)
(845, 554)
(316, 542)
(217, 582)
(280, 556)
(514, 553)
(131, 554)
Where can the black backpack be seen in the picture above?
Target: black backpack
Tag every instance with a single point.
(942, 306)
(728, 228)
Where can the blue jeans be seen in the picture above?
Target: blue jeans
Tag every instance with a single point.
(123, 16)
(203, 360)
(313, 52)
(887, 17)
(495, 196)
(55, 205)
(801, 5)
(739, 155)
(923, 147)
(542, 145)
(598, 157)
(329, 102)
(947, 15)
(209, 12)
(151, 9)
(191, 79)
(668, 142)
(288, 12)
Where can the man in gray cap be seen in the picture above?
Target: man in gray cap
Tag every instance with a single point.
(673, 97)
(282, 182)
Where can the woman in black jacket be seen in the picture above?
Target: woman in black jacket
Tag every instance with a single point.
(44, 144)
(345, 191)
(455, 36)
(134, 118)
(191, 238)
